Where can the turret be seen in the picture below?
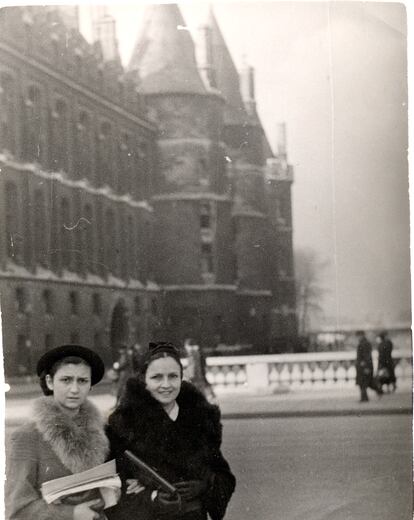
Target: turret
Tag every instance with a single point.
(104, 32)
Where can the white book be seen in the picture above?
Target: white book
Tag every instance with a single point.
(100, 481)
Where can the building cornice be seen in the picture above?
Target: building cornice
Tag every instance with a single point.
(20, 273)
(82, 184)
(199, 287)
(190, 196)
(254, 292)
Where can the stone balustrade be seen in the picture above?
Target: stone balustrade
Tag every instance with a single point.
(313, 370)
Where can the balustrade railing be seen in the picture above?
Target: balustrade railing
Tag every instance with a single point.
(294, 371)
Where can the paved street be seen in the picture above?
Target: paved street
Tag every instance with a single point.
(331, 468)
(318, 455)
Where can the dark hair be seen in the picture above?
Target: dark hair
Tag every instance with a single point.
(159, 350)
(69, 360)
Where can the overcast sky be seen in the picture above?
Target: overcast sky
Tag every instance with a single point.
(336, 74)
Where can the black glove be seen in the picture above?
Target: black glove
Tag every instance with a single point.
(190, 489)
(166, 503)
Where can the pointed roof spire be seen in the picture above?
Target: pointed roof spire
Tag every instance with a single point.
(164, 53)
(226, 74)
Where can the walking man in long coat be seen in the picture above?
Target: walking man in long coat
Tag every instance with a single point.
(364, 367)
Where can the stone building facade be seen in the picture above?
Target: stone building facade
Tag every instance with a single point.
(136, 203)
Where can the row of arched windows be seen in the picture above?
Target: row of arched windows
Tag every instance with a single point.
(61, 138)
(73, 303)
(63, 234)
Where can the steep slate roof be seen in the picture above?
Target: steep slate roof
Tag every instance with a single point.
(227, 76)
(164, 54)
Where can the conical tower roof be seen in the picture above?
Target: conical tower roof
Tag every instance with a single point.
(164, 53)
(226, 74)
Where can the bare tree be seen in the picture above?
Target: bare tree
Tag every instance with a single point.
(309, 292)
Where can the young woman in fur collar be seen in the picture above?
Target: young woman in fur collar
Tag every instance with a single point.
(65, 435)
(170, 425)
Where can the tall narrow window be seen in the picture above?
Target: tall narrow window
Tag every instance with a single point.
(21, 300)
(48, 342)
(96, 304)
(131, 248)
(24, 355)
(7, 113)
(32, 126)
(137, 305)
(126, 164)
(74, 303)
(105, 154)
(111, 241)
(59, 136)
(48, 302)
(205, 215)
(66, 235)
(83, 147)
(206, 258)
(40, 228)
(14, 237)
(89, 238)
(154, 307)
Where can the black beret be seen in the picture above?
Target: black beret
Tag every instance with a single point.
(48, 359)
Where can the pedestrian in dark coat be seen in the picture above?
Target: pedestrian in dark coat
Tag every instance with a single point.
(386, 372)
(364, 367)
(170, 425)
(65, 435)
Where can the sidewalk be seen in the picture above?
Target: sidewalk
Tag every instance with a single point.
(299, 403)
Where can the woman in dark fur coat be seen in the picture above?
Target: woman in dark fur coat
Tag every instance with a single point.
(169, 424)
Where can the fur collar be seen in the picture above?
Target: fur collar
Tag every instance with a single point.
(79, 442)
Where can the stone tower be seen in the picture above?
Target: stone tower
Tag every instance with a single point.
(246, 149)
(193, 256)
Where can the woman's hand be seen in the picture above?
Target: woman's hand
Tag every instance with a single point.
(134, 486)
(191, 489)
(90, 510)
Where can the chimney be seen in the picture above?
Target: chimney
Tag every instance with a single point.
(247, 87)
(205, 55)
(281, 140)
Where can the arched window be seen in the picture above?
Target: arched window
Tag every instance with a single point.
(105, 154)
(7, 113)
(32, 127)
(40, 228)
(83, 147)
(66, 236)
(59, 136)
(13, 235)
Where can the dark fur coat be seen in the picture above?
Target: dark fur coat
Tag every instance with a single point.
(185, 449)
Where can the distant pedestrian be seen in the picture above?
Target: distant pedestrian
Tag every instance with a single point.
(386, 372)
(195, 371)
(123, 368)
(364, 367)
